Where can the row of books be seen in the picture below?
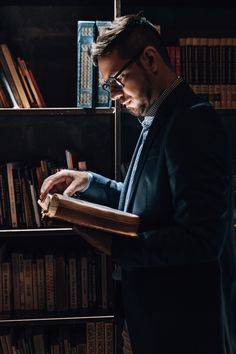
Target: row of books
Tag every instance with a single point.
(56, 281)
(88, 338)
(208, 60)
(20, 187)
(18, 86)
(208, 65)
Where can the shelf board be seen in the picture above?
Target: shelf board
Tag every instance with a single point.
(60, 111)
(53, 320)
(37, 232)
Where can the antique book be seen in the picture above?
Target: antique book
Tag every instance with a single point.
(86, 69)
(10, 70)
(91, 215)
(102, 97)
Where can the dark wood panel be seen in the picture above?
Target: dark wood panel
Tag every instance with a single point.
(29, 138)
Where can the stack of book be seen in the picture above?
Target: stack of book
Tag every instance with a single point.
(18, 87)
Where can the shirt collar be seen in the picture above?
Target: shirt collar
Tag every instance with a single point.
(151, 113)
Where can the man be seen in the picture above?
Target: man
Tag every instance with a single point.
(178, 278)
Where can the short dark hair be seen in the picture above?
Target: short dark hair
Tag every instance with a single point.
(129, 34)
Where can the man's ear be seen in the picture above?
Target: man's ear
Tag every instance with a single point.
(151, 58)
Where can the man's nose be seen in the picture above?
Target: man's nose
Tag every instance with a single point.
(116, 94)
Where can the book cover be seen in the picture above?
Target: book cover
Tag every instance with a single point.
(86, 69)
(91, 215)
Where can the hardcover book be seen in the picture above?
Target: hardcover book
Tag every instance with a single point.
(86, 69)
(9, 67)
(91, 215)
(102, 97)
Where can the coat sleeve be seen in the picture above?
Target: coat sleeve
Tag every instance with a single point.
(200, 179)
(103, 191)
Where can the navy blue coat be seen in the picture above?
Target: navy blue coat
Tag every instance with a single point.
(178, 278)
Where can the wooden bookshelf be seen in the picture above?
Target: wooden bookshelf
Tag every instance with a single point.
(46, 36)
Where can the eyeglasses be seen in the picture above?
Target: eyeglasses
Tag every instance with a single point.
(113, 82)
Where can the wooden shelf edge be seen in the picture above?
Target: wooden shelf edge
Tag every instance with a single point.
(53, 320)
(56, 111)
(36, 232)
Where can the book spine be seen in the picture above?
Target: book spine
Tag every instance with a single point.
(211, 71)
(189, 60)
(177, 61)
(41, 283)
(36, 89)
(228, 69)
(13, 71)
(182, 45)
(100, 337)
(1, 289)
(109, 338)
(28, 283)
(205, 69)
(16, 280)
(35, 288)
(91, 338)
(86, 69)
(223, 50)
(195, 66)
(102, 98)
(8, 90)
(50, 282)
(6, 287)
(73, 282)
(60, 282)
(84, 282)
(11, 192)
(217, 81)
(4, 196)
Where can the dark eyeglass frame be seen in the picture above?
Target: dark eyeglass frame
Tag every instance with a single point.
(114, 81)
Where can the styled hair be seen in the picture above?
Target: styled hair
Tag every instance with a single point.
(128, 35)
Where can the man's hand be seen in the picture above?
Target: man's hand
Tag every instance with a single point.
(66, 182)
(100, 240)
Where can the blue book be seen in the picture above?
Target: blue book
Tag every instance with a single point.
(86, 69)
(102, 97)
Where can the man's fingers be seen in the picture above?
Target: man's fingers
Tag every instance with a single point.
(49, 183)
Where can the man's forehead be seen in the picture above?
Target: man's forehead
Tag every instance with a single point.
(109, 64)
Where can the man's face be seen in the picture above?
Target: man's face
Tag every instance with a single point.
(135, 92)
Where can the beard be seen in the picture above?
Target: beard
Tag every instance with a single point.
(143, 101)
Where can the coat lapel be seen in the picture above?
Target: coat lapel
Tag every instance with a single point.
(168, 109)
(127, 178)
(151, 134)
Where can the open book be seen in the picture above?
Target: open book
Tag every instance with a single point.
(91, 215)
